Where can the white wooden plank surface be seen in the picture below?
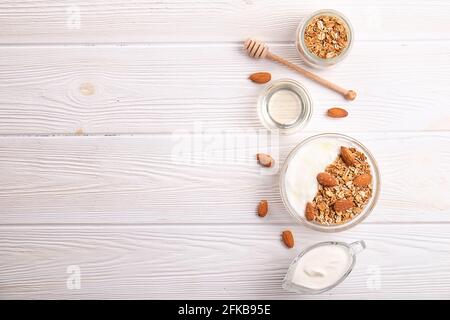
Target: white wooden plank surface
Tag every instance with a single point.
(160, 89)
(245, 261)
(137, 180)
(29, 21)
(141, 225)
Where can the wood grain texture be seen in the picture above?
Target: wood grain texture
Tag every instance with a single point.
(29, 21)
(198, 178)
(230, 262)
(160, 201)
(164, 88)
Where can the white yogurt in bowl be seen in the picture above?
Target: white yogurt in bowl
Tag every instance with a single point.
(298, 177)
(322, 267)
(301, 182)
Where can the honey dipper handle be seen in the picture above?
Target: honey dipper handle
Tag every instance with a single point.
(348, 94)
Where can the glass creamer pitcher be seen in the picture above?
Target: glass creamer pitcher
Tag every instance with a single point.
(322, 266)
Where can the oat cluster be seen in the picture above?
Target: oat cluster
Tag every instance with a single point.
(326, 197)
(326, 36)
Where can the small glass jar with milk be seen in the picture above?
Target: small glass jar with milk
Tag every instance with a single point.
(285, 106)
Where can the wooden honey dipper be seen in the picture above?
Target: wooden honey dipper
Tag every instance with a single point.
(258, 49)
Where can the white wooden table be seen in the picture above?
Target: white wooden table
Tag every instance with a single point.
(93, 95)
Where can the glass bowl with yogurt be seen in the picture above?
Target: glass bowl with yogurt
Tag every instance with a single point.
(322, 267)
(298, 178)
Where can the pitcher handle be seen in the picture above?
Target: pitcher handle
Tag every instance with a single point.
(357, 246)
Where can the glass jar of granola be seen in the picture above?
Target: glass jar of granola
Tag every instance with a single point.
(324, 38)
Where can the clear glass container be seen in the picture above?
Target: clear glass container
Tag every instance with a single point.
(284, 106)
(344, 141)
(353, 249)
(309, 57)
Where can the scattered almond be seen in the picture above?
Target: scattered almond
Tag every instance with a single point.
(310, 211)
(288, 238)
(260, 77)
(362, 180)
(265, 160)
(343, 205)
(326, 179)
(263, 208)
(337, 113)
(347, 156)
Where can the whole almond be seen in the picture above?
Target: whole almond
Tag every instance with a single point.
(265, 160)
(326, 179)
(288, 238)
(362, 180)
(343, 205)
(263, 208)
(310, 211)
(347, 156)
(337, 113)
(260, 77)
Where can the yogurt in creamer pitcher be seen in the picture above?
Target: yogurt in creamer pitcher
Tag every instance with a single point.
(322, 266)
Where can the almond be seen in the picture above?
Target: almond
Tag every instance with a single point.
(263, 208)
(347, 156)
(326, 179)
(310, 211)
(343, 205)
(288, 238)
(362, 180)
(337, 113)
(260, 77)
(265, 160)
